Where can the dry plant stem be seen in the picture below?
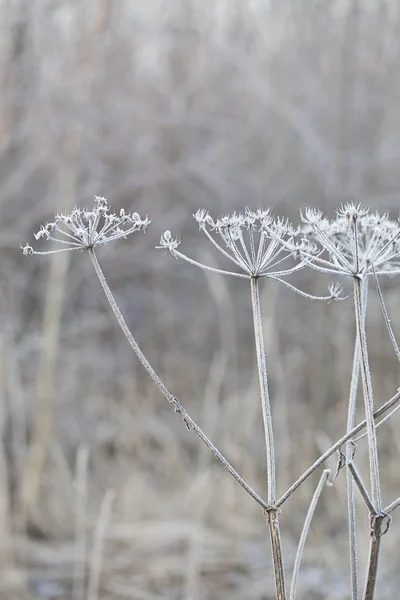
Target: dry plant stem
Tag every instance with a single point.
(377, 521)
(306, 527)
(363, 490)
(272, 513)
(392, 506)
(375, 542)
(190, 424)
(385, 314)
(386, 418)
(380, 411)
(368, 397)
(351, 506)
(265, 402)
(96, 561)
(277, 558)
(373, 561)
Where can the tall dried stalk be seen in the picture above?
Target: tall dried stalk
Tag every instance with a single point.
(351, 507)
(272, 513)
(375, 540)
(368, 397)
(351, 413)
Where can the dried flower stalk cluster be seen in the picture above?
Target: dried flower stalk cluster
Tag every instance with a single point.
(357, 244)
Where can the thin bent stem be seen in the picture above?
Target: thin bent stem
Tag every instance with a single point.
(297, 290)
(379, 412)
(191, 261)
(385, 314)
(386, 418)
(190, 424)
(273, 520)
(392, 506)
(324, 479)
(222, 250)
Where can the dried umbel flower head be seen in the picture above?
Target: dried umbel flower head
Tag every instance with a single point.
(355, 244)
(86, 229)
(251, 240)
(256, 242)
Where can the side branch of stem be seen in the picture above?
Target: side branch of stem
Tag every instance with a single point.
(163, 389)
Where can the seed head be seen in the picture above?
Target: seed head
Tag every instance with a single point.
(84, 229)
(27, 250)
(167, 242)
(253, 240)
(355, 243)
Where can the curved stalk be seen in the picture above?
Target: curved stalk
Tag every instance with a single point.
(324, 480)
(392, 506)
(190, 424)
(385, 314)
(272, 513)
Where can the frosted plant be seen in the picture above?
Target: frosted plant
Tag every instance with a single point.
(252, 241)
(86, 229)
(356, 244)
(257, 243)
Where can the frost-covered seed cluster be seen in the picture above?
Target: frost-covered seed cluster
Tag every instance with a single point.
(83, 229)
(357, 242)
(254, 241)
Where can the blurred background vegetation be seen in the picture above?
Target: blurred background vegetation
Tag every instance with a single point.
(165, 106)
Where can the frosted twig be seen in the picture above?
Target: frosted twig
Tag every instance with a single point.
(324, 480)
(380, 411)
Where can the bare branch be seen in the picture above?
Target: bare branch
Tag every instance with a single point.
(361, 487)
(380, 411)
